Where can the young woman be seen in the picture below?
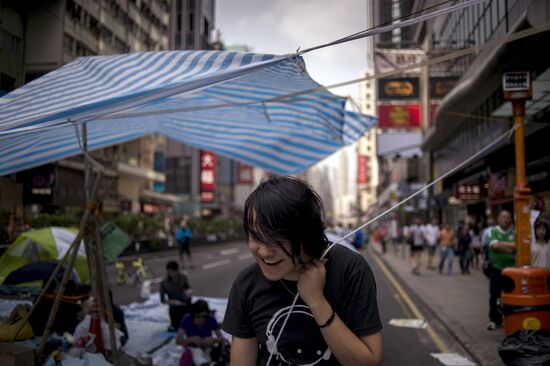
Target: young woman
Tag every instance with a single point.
(198, 332)
(540, 249)
(335, 320)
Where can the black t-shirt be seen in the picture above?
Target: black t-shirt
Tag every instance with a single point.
(257, 308)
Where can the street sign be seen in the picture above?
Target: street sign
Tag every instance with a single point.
(516, 85)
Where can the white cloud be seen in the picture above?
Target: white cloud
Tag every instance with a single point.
(282, 26)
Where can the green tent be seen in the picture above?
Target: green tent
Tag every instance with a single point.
(43, 244)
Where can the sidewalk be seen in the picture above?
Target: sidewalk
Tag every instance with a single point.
(461, 302)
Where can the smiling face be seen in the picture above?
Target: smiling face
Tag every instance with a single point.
(275, 261)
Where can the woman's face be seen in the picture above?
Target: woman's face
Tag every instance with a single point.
(274, 262)
(540, 232)
(200, 318)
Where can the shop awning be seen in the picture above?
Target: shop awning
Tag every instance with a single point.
(242, 105)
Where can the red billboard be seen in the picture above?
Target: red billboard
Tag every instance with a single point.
(362, 169)
(208, 175)
(399, 116)
(245, 173)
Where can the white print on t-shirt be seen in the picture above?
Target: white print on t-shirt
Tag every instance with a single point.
(295, 347)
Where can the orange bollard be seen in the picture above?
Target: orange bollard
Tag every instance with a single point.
(525, 300)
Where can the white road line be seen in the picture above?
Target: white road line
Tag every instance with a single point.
(229, 251)
(216, 264)
(245, 256)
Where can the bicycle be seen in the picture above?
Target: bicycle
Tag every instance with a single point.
(136, 276)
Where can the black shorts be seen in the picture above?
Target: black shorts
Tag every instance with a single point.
(416, 248)
(184, 246)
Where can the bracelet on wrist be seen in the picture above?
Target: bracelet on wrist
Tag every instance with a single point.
(329, 321)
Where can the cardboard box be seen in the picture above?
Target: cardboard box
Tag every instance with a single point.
(16, 355)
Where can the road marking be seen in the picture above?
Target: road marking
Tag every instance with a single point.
(245, 256)
(216, 264)
(229, 251)
(412, 306)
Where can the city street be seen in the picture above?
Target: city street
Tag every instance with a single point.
(217, 265)
(415, 129)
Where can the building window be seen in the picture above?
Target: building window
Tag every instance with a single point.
(68, 43)
(158, 164)
(7, 83)
(191, 18)
(11, 43)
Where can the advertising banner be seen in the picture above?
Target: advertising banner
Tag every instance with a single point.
(207, 175)
(440, 86)
(389, 59)
(406, 116)
(245, 173)
(405, 88)
(468, 192)
(362, 169)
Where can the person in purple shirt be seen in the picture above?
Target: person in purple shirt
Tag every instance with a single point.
(199, 332)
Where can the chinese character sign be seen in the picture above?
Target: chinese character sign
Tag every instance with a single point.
(207, 175)
(362, 169)
(468, 192)
(245, 173)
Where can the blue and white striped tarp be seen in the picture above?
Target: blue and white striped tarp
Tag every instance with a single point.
(226, 102)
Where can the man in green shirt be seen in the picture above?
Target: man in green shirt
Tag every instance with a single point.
(502, 249)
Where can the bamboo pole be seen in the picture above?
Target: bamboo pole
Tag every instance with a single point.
(108, 309)
(69, 268)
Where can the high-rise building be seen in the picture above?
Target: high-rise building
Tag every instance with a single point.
(192, 24)
(40, 36)
(385, 11)
(474, 114)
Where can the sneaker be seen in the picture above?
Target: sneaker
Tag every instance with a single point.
(493, 326)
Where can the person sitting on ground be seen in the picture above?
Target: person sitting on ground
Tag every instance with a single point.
(176, 288)
(196, 332)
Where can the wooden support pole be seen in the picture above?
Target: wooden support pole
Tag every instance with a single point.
(72, 258)
(103, 287)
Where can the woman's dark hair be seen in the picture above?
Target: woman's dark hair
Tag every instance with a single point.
(545, 225)
(284, 208)
(199, 306)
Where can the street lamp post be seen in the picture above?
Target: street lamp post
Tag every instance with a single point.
(526, 299)
(517, 89)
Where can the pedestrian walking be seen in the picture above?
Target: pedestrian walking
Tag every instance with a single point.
(176, 292)
(464, 248)
(501, 251)
(475, 233)
(393, 232)
(358, 239)
(183, 237)
(330, 324)
(416, 241)
(431, 233)
(447, 244)
(383, 235)
(540, 248)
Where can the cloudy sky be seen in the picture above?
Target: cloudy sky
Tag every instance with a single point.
(281, 26)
